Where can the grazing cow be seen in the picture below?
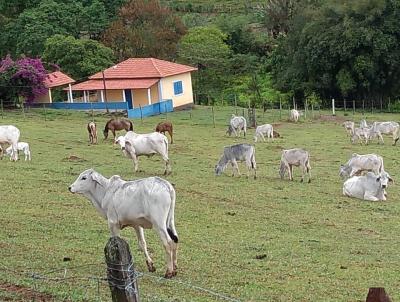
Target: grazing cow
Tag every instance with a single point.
(359, 134)
(235, 153)
(372, 133)
(91, 128)
(263, 130)
(117, 124)
(134, 145)
(349, 127)
(163, 127)
(294, 115)
(361, 163)
(21, 146)
(295, 157)
(142, 204)
(387, 128)
(368, 187)
(10, 135)
(236, 125)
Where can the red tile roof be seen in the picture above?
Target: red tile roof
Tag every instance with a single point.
(115, 84)
(143, 68)
(57, 78)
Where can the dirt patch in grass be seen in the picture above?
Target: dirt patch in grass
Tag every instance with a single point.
(74, 158)
(21, 293)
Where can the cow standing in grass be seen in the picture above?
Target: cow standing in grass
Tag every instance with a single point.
(237, 124)
(142, 204)
(379, 128)
(91, 128)
(9, 135)
(264, 130)
(361, 163)
(235, 153)
(295, 157)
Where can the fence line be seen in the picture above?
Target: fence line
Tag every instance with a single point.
(35, 276)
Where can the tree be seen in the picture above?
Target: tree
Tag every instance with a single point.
(205, 47)
(144, 29)
(341, 49)
(77, 57)
(96, 19)
(24, 77)
(28, 33)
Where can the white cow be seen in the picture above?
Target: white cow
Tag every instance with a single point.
(235, 153)
(236, 125)
(294, 115)
(264, 130)
(368, 187)
(134, 145)
(295, 157)
(21, 146)
(349, 127)
(362, 163)
(387, 128)
(360, 135)
(143, 203)
(10, 135)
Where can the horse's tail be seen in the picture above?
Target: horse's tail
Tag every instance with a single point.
(130, 126)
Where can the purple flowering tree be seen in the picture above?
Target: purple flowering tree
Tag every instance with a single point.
(24, 77)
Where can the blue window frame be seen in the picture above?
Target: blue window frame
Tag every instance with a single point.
(178, 88)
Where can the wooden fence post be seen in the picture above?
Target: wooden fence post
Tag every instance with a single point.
(235, 105)
(354, 107)
(377, 294)
(166, 111)
(312, 110)
(141, 114)
(213, 114)
(363, 104)
(2, 109)
(121, 275)
(305, 110)
(280, 109)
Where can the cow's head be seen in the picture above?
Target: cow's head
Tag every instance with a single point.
(229, 131)
(120, 140)
(282, 170)
(85, 182)
(344, 171)
(219, 169)
(384, 179)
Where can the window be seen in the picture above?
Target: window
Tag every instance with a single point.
(178, 88)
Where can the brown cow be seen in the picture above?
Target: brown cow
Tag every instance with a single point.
(91, 127)
(163, 127)
(117, 124)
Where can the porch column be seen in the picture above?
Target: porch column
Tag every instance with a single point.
(71, 98)
(123, 95)
(50, 98)
(84, 96)
(149, 95)
(160, 91)
(102, 95)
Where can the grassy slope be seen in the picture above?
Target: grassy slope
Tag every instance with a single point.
(319, 245)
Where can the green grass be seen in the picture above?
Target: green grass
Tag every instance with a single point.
(315, 244)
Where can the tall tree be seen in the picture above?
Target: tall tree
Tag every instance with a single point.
(144, 29)
(77, 57)
(205, 47)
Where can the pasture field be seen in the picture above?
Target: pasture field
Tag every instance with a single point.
(250, 240)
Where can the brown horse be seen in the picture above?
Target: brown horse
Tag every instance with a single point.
(163, 127)
(117, 124)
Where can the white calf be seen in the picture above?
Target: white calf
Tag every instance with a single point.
(264, 130)
(21, 146)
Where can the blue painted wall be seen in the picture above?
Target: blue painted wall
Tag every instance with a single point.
(153, 109)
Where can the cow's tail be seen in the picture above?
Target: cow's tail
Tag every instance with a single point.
(171, 214)
(245, 127)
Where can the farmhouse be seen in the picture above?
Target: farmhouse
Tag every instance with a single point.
(53, 80)
(148, 84)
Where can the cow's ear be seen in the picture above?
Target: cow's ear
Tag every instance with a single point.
(391, 180)
(96, 177)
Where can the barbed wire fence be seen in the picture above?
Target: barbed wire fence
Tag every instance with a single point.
(90, 282)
